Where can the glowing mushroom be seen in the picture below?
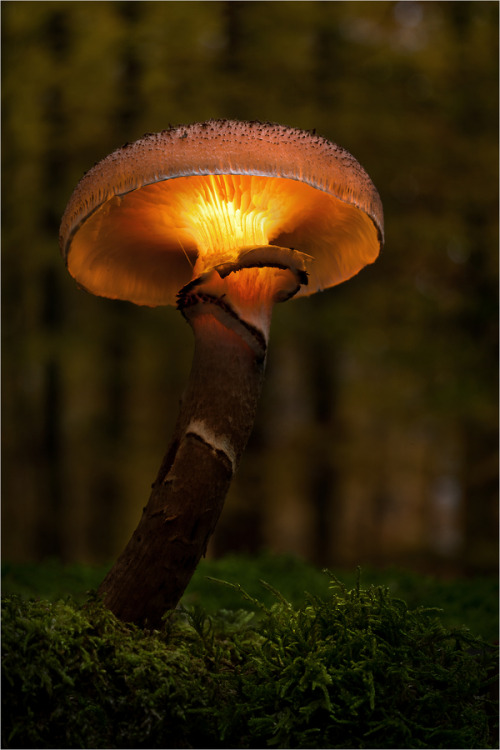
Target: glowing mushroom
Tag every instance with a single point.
(223, 219)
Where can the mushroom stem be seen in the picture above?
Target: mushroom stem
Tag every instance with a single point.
(215, 420)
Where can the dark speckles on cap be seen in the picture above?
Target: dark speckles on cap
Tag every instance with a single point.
(224, 147)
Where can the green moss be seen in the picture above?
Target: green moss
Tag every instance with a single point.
(363, 670)
(356, 668)
(472, 602)
(74, 676)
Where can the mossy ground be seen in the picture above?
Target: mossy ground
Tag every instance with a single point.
(349, 664)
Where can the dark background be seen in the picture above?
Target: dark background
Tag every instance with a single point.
(376, 438)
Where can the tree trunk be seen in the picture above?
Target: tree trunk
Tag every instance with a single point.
(216, 417)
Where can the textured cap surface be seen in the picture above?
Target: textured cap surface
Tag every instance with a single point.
(133, 228)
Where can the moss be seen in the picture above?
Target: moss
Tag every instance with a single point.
(75, 677)
(357, 668)
(363, 670)
(472, 602)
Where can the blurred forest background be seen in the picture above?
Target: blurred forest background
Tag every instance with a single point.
(376, 440)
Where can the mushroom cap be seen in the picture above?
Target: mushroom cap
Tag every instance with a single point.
(137, 223)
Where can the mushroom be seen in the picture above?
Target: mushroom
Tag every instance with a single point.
(224, 219)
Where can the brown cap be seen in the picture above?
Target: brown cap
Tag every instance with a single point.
(154, 214)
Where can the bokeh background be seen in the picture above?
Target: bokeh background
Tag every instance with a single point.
(376, 441)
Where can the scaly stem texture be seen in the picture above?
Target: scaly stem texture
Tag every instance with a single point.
(215, 420)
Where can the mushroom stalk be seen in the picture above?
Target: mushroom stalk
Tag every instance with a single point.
(215, 420)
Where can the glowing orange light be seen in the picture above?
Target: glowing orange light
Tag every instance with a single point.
(223, 218)
(225, 214)
(145, 245)
(252, 292)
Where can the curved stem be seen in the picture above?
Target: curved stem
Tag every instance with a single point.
(215, 420)
(229, 309)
